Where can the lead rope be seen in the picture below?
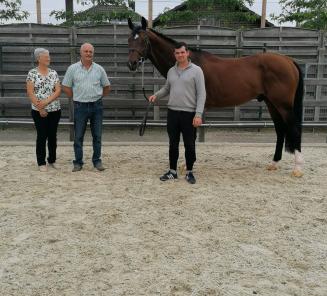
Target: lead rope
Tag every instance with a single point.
(142, 67)
(145, 117)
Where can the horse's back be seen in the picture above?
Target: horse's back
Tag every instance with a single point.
(233, 81)
(251, 60)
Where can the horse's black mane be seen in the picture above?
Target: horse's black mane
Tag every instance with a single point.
(170, 40)
(137, 30)
(174, 42)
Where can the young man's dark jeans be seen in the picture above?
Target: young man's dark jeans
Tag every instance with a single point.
(46, 128)
(181, 122)
(83, 112)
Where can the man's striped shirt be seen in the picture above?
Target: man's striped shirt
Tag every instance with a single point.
(87, 84)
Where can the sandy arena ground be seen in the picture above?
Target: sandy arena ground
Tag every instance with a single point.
(241, 230)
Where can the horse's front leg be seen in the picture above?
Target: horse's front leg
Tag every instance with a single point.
(278, 150)
(280, 133)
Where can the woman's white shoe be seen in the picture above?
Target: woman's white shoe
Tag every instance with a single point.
(43, 168)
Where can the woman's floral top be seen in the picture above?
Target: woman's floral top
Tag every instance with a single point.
(44, 86)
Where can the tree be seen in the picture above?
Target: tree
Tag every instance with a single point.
(102, 2)
(227, 10)
(12, 11)
(95, 16)
(307, 14)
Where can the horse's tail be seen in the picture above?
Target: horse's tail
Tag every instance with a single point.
(298, 103)
(292, 142)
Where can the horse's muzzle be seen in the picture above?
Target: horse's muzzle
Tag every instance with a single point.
(132, 65)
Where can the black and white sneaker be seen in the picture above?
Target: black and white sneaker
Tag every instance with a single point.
(190, 178)
(168, 176)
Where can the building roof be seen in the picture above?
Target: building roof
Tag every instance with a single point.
(107, 9)
(103, 8)
(183, 6)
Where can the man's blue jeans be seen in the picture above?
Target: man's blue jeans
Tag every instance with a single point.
(83, 112)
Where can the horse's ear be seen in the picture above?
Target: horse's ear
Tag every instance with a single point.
(144, 23)
(130, 24)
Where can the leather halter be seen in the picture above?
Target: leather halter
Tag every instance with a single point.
(145, 54)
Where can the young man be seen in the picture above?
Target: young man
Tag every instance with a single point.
(186, 88)
(87, 83)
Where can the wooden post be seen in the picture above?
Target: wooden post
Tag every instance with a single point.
(198, 37)
(264, 49)
(70, 100)
(69, 11)
(323, 38)
(150, 12)
(320, 75)
(3, 109)
(38, 11)
(263, 14)
(133, 91)
(116, 73)
(238, 54)
(1, 65)
(156, 108)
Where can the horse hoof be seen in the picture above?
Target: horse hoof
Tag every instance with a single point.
(272, 167)
(297, 173)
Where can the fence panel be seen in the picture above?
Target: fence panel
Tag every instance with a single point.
(17, 43)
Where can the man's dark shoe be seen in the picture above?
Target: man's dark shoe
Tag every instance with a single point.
(168, 176)
(77, 168)
(99, 167)
(190, 178)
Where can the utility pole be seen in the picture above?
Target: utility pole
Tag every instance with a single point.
(263, 14)
(150, 12)
(69, 11)
(38, 11)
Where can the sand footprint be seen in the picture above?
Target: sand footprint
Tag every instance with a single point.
(3, 164)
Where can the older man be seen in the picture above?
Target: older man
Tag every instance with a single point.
(87, 82)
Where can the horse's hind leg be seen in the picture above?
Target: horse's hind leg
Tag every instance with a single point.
(293, 144)
(292, 138)
(280, 132)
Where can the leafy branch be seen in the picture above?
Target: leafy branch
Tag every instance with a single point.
(12, 10)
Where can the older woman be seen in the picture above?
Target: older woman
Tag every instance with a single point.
(43, 90)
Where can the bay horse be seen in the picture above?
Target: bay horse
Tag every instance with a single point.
(274, 78)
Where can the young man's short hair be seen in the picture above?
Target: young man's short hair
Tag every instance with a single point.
(179, 45)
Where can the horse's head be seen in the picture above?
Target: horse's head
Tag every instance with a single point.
(138, 44)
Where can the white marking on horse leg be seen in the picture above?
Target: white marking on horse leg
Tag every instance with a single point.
(299, 161)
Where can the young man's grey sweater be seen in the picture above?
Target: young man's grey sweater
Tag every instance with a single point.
(186, 89)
